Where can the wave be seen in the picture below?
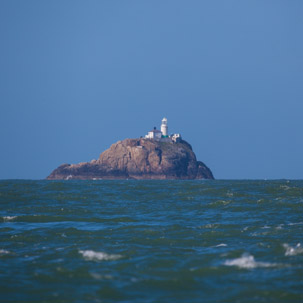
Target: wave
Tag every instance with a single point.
(91, 255)
(298, 223)
(4, 252)
(247, 261)
(293, 251)
(8, 218)
(221, 245)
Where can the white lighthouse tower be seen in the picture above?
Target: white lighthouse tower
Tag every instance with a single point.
(164, 128)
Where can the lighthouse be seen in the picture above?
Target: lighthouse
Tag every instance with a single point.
(164, 128)
(163, 134)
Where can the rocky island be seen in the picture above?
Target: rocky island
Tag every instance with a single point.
(157, 156)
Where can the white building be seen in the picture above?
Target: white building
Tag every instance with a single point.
(176, 138)
(163, 134)
(164, 127)
(154, 134)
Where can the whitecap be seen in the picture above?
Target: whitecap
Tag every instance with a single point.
(4, 252)
(9, 218)
(91, 255)
(60, 248)
(280, 226)
(245, 228)
(210, 225)
(101, 277)
(221, 245)
(247, 261)
(293, 251)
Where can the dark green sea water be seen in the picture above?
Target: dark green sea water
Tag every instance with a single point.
(151, 241)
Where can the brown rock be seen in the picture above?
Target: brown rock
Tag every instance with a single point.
(139, 159)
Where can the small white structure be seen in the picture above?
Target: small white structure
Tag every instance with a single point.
(154, 134)
(164, 128)
(176, 138)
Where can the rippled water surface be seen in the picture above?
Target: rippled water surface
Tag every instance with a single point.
(151, 241)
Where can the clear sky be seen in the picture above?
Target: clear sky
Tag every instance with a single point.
(77, 76)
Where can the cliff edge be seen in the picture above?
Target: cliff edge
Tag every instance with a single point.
(139, 159)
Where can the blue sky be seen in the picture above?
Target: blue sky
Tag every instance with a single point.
(76, 76)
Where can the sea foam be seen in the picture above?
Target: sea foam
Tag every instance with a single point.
(4, 252)
(247, 261)
(8, 218)
(221, 245)
(91, 255)
(293, 251)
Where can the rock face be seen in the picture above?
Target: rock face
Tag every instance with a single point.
(139, 159)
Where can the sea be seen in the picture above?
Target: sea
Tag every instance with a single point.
(151, 241)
